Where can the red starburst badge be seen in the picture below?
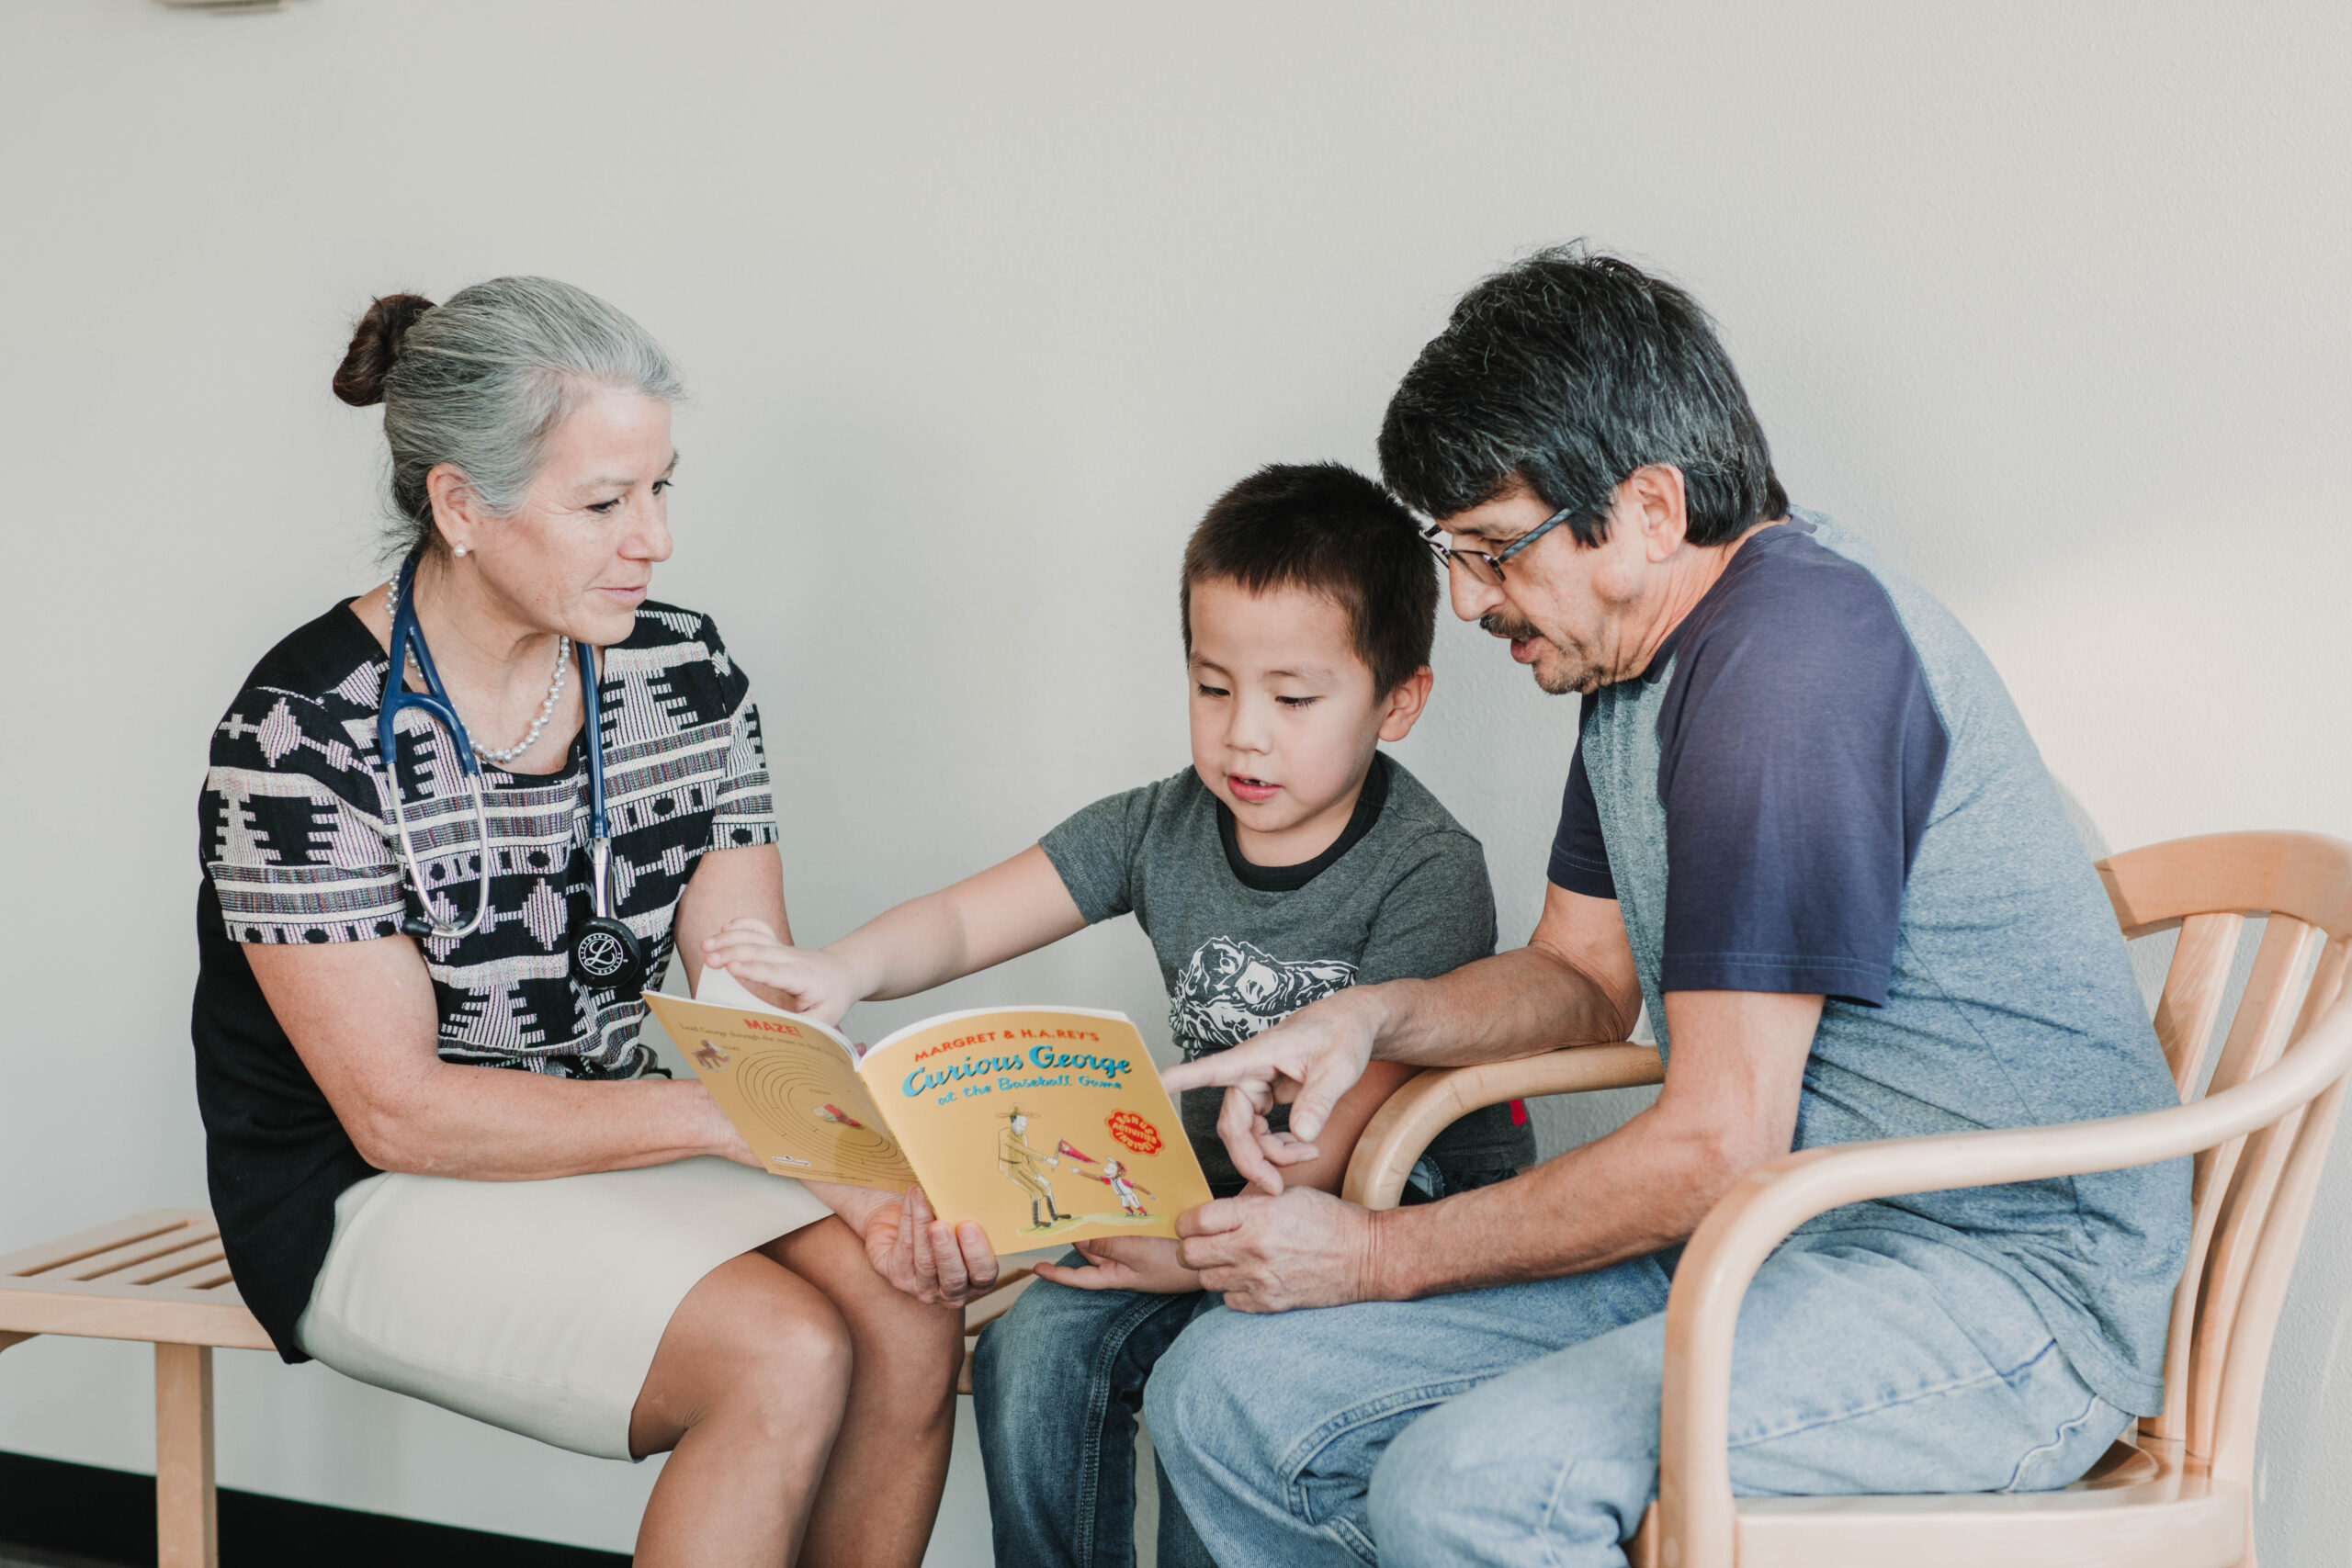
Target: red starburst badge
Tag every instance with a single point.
(1133, 1131)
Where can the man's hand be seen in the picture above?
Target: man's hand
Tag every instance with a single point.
(813, 981)
(1307, 1061)
(1144, 1263)
(937, 1264)
(1303, 1250)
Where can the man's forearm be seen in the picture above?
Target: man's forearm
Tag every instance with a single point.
(1639, 1190)
(1729, 1106)
(1514, 1004)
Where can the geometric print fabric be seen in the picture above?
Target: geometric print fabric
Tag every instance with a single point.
(297, 837)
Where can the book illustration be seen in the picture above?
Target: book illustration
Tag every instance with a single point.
(786, 1093)
(1111, 1172)
(1039, 1123)
(790, 1086)
(1133, 1133)
(1026, 1168)
(1123, 1187)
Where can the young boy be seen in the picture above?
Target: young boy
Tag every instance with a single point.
(1291, 860)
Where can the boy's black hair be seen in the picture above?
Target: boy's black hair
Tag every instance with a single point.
(1326, 528)
(1565, 373)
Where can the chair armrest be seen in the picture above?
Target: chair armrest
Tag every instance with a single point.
(1438, 1097)
(1696, 1516)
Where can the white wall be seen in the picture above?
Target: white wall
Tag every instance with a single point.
(981, 305)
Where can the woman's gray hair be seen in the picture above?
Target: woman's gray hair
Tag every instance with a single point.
(482, 380)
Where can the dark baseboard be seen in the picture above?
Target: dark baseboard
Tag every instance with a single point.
(109, 1515)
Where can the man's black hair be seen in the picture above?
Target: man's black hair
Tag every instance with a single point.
(1326, 528)
(1565, 373)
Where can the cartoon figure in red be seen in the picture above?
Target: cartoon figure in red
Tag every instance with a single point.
(834, 1113)
(1114, 1175)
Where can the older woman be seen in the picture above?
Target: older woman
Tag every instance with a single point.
(442, 1159)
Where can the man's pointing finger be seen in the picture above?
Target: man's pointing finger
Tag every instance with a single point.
(1214, 1071)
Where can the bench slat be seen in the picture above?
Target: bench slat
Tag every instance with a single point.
(49, 1255)
(124, 1263)
(179, 1264)
(159, 1314)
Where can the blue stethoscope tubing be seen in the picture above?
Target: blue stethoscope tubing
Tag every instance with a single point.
(602, 948)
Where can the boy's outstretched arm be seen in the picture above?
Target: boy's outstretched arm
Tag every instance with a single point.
(1001, 913)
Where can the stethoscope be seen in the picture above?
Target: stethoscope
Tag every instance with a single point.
(606, 954)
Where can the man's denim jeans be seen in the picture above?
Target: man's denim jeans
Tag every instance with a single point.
(1519, 1425)
(1055, 1385)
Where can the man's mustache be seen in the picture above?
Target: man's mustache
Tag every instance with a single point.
(1495, 624)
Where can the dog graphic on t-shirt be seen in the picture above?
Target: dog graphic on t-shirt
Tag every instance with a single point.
(1231, 989)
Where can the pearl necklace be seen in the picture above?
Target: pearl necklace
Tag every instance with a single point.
(546, 708)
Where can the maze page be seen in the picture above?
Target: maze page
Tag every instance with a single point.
(789, 1087)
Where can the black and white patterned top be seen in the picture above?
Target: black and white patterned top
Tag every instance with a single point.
(298, 845)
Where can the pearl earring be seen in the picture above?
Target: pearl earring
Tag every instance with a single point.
(460, 550)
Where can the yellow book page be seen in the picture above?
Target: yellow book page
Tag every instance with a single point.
(790, 1088)
(1044, 1125)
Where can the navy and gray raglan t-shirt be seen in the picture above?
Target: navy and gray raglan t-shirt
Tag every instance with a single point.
(1820, 785)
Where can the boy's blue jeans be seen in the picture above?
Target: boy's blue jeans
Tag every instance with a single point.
(1055, 1385)
(1519, 1425)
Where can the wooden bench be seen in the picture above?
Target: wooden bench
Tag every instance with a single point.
(157, 1277)
(160, 1277)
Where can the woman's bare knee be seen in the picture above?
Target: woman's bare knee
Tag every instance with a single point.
(907, 1353)
(752, 1345)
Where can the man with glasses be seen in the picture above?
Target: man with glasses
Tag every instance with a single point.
(1805, 825)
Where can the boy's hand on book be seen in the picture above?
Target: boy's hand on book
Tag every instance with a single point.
(1144, 1263)
(936, 1263)
(1305, 1248)
(811, 980)
(1308, 1061)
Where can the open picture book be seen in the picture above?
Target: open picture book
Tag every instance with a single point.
(1044, 1125)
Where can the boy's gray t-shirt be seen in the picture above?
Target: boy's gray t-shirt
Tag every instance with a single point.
(1402, 894)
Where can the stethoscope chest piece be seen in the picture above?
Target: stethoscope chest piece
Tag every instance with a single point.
(606, 956)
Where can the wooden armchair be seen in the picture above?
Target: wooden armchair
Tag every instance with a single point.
(2177, 1492)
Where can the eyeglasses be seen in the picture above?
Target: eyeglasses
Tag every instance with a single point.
(1488, 568)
